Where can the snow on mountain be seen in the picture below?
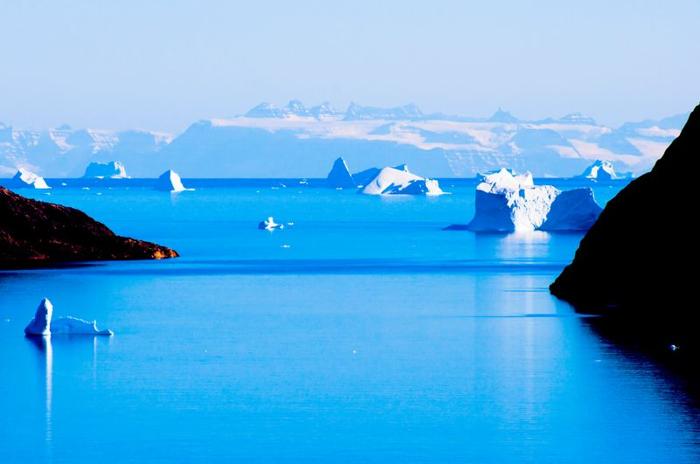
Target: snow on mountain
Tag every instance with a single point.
(64, 151)
(298, 141)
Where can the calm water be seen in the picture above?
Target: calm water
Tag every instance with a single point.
(363, 333)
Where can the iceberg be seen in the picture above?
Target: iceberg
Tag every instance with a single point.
(600, 170)
(108, 170)
(393, 181)
(508, 202)
(572, 210)
(170, 181)
(340, 176)
(269, 224)
(27, 179)
(43, 325)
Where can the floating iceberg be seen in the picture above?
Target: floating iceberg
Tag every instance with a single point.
(600, 170)
(43, 325)
(507, 202)
(170, 181)
(340, 175)
(27, 179)
(393, 181)
(108, 170)
(572, 210)
(269, 224)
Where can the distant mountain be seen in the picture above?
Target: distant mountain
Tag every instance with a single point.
(66, 152)
(356, 112)
(299, 141)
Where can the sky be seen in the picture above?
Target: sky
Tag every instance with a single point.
(161, 65)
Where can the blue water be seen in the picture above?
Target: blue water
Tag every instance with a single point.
(362, 333)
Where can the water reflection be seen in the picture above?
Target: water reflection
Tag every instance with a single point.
(43, 344)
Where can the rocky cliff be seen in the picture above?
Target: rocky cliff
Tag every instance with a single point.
(34, 233)
(639, 256)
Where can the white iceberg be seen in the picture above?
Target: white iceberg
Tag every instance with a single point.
(340, 176)
(600, 170)
(269, 224)
(170, 181)
(43, 325)
(393, 181)
(108, 170)
(27, 179)
(507, 202)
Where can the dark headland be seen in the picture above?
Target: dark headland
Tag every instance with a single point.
(35, 233)
(636, 265)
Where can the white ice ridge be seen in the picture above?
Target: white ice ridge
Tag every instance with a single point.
(27, 179)
(393, 181)
(270, 224)
(43, 325)
(507, 202)
(109, 170)
(170, 181)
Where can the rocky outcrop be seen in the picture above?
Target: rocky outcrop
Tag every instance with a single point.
(33, 233)
(639, 256)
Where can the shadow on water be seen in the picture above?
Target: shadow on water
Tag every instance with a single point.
(667, 347)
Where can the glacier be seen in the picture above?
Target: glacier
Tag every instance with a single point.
(43, 324)
(508, 202)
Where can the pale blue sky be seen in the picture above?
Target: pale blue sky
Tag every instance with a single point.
(163, 64)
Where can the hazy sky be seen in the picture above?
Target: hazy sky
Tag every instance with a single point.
(163, 64)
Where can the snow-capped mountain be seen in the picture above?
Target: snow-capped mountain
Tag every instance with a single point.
(65, 152)
(299, 141)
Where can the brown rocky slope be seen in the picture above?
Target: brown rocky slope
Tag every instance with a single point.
(35, 233)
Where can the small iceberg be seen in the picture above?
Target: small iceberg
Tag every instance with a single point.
(27, 179)
(108, 170)
(400, 181)
(44, 325)
(170, 181)
(269, 224)
(339, 176)
(602, 171)
(508, 202)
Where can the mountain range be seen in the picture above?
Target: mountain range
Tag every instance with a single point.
(299, 141)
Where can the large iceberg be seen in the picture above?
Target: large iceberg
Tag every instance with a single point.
(600, 170)
(508, 202)
(339, 176)
(108, 170)
(393, 181)
(170, 181)
(43, 325)
(27, 179)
